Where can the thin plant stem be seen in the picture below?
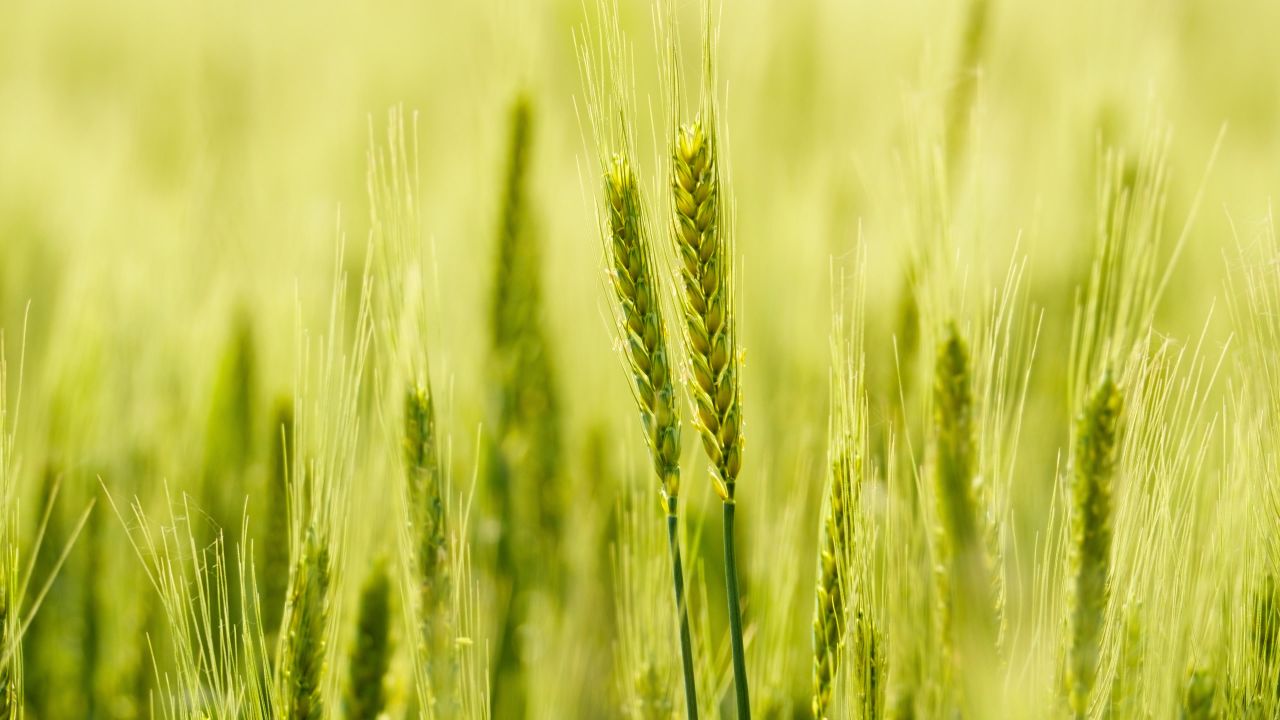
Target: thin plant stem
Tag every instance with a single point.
(686, 645)
(735, 614)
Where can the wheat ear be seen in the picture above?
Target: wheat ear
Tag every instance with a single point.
(705, 261)
(305, 646)
(430, 547)
(1095, 461)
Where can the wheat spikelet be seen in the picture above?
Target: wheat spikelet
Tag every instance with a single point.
(1095, 461)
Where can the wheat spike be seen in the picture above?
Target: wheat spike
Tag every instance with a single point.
(705, 267)
(1095, 461)
(305, 645)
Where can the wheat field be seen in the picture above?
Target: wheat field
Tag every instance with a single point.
(639, 359)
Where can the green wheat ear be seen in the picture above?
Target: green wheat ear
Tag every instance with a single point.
(10, 690)
(275, 578)
(966, 611)
(430, 547)
(705, 266)
(1091, 530)
(833, 575)
(953, 422)
(305, 646)
(638, 294)
(1199, 696)
(371, 653)
(638, 298)
(703, 248)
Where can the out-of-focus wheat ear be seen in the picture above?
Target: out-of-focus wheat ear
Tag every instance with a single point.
(960, 104)
(1124, 699)
(1096, 451)
(953, 425)
(1199, 696)
(11, 696)
(371, 651)
(275, 576)
(966, 602)
(1264, 634)
(10, 647)
(834, 570)
(429, 544)
(304, 654)
(526, 480)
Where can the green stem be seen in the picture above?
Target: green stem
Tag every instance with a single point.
(735, 614)
(686, 645)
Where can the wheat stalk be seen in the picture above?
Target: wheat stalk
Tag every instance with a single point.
(304, 654)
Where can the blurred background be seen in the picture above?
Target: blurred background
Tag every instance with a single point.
(174, 178)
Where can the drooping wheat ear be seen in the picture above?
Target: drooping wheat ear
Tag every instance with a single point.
(705, 268)
(304, 655)
(1095, 462)
(430, 547)
(371, 653)
(638, 295)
